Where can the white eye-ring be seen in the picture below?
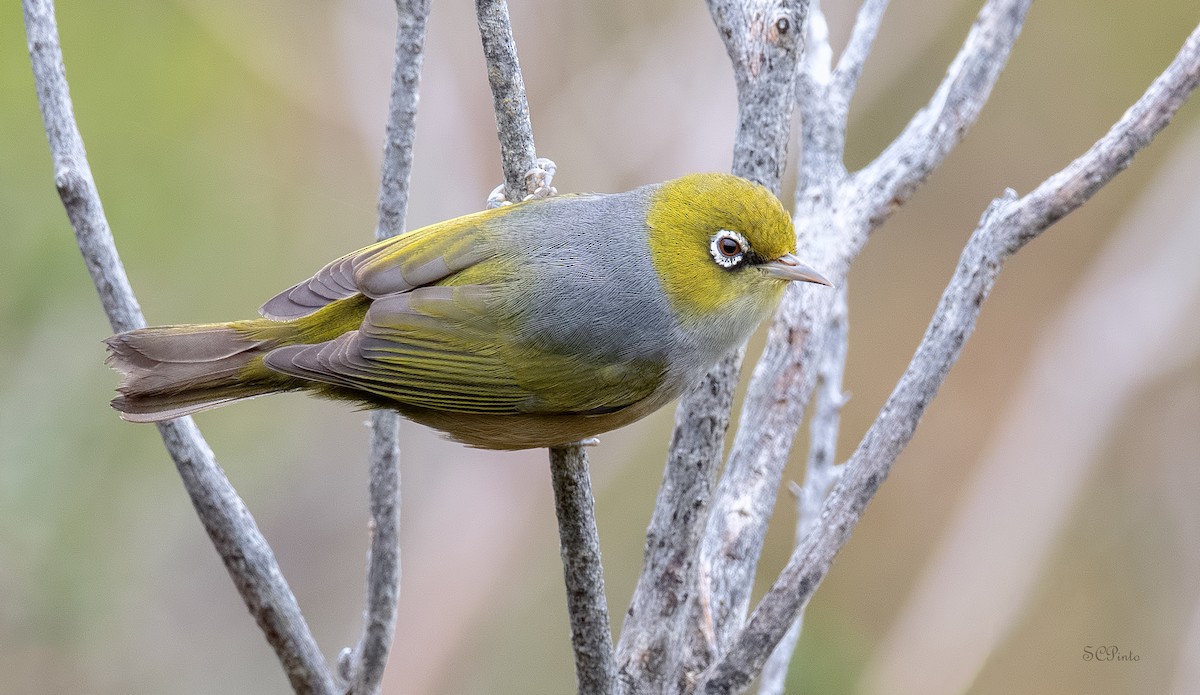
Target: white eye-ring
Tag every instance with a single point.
(728, 248)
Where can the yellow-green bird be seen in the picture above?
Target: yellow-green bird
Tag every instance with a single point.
(528, 325)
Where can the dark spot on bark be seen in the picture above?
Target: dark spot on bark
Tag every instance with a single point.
(808, 584)
(782, 25)
(870, 485)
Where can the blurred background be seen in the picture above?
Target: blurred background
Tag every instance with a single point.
(1049, 504)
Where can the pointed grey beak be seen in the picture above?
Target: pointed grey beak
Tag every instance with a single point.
(788, 267)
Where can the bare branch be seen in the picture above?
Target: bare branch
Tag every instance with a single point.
(854, 56)
(590, 632)
(821, 473)
(517, 153)
(236, 537)
(834, 214)
(526, 176)
(1004, 229)
(1051, 440)
(363, 666)
(764, 40)
(897, 172)
(402, 116)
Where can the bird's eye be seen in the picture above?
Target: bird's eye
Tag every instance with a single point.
(728, 248)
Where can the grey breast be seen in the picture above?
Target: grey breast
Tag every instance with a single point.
(595, 290)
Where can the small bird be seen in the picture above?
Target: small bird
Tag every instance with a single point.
(528, 325)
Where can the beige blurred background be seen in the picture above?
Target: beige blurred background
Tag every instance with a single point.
(1050, 502)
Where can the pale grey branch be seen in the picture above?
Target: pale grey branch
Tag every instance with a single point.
(402, 117)
(895, 174)
(1004, 229)
(591, 635)
(517, 153)
(666, 634)
(236, 537)
(525, 175)
(854, 56)
(834, 215)
(364, 666)
(821, 472)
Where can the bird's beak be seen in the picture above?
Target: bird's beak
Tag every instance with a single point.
(788, 267)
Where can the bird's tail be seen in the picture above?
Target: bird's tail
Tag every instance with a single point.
(171, 371)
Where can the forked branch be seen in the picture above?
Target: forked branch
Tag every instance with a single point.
(1004, 229)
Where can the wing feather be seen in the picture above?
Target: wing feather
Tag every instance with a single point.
(432, 339)
(438, 347)
(399, 264)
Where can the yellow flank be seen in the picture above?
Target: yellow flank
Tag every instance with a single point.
(686, 213)
(326, 323)
(431, 245)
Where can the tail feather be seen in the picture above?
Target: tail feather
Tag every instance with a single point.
(172, 371)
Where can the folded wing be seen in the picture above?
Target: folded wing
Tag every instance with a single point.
(429, 340)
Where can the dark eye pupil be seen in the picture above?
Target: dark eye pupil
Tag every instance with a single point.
(729, 247)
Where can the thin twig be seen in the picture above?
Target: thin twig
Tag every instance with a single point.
(513, 127)
(895, 174)
(1004, 229)
(363, 666)
(525, 175)
(854, 56)
(236, 537)
(584, 575)
(821, 473)
(402, 117)
(1052, 439)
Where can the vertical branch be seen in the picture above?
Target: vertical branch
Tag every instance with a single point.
(230, 527)
(764, 39)
(402, 117)
(364, 666)
(586, 603)
(525, 175)
(821, 472)
(669, 631)
(513, 127)
(835, 213)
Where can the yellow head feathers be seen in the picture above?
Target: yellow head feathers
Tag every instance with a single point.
(709, 235)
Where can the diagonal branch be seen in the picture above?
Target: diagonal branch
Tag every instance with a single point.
(517, 153)
(525, 175)
(363, 667)
(834, 215)
(895, 174)
(1005, 228)
(854, 56)
(236, 537)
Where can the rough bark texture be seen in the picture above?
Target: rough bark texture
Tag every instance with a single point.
(525, 176)
(587, 606)
(364, 665)
(672, 627)
(1004, 229)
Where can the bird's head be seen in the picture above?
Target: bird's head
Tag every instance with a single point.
(724, 249)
